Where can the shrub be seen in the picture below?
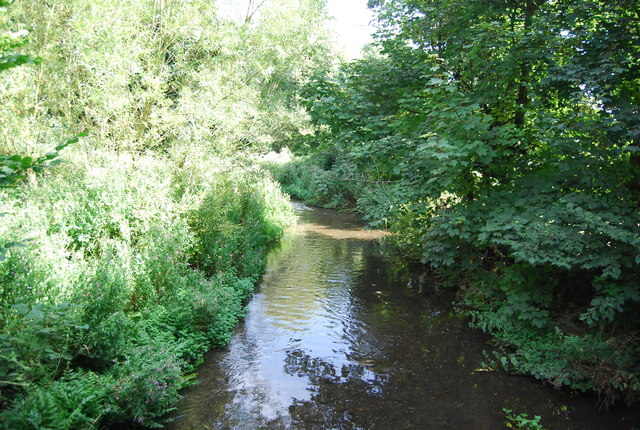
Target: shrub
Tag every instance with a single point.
(77, 400)
(119, 294)
(147, 381)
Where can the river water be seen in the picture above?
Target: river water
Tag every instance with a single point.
(339, 336)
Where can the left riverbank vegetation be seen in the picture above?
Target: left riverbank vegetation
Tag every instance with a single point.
(500, 142)
(126, 262)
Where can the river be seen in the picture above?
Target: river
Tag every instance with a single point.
(341, 336)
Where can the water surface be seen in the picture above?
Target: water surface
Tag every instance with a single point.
(339, 336)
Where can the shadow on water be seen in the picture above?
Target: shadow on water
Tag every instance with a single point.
(338, 337)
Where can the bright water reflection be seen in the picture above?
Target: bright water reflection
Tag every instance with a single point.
(336, 337)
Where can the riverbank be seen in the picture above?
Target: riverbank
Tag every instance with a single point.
(342, 333)
(134, 267)
(545, 334)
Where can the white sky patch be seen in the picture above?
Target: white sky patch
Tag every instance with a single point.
(351, 24)
(234, 10)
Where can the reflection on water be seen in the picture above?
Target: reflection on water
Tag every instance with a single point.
(338, 338)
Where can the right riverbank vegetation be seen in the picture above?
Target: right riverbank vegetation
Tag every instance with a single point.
(499, 141)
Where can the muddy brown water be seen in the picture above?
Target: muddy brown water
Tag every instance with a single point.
(339, 336)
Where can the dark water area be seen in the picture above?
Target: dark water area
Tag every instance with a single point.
(340, 336)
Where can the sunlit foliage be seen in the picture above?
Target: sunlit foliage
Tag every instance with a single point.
(161, 74)
(120, 267)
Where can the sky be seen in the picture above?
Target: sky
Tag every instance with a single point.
(351, 24)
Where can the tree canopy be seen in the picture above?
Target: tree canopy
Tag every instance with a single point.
(504, 138)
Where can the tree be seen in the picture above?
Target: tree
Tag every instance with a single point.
(170, 75)
(510, 132)
(14, 168)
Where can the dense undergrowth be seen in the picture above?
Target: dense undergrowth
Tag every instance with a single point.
(120, 267)
(134, 268)
(560, 332)
(500, 142)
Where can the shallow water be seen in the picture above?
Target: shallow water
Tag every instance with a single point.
(339, 336)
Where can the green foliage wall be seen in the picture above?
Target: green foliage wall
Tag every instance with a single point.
(122, 266)
(135, 269)
(500, 140)
(162, 73)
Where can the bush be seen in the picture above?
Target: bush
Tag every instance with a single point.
(119, 295)
(316, 180)
(147, 382)
(77, 400)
